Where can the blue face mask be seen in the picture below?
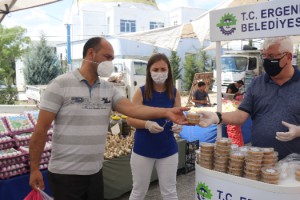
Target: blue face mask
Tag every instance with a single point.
(272, 67)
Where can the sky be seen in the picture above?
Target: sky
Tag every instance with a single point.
(49, 19)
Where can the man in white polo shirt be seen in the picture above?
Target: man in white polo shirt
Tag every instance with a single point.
(80, 104)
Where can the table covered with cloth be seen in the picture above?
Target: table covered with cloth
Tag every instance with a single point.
(209, 134)
(116, 176)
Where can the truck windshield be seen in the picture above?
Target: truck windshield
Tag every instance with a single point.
(233, 64)
(140, 68)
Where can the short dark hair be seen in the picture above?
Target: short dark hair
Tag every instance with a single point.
(240, 82)
(201, 83)
(91, 43)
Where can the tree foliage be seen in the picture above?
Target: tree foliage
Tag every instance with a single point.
(190, 69)
(175, 66)
(8, 95)
(41, 64)
(195, 63)
(13, 44)
(204, 62)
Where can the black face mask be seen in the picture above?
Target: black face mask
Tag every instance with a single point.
(272, 67)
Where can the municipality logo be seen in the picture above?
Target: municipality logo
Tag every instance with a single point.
(227, 24)
(203, 192)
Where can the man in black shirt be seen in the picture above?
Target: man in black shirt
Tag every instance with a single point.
(234, 88)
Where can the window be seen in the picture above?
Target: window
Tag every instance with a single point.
(140, 68)
(127, 26)
(118, 68)
(231, 64)
(154, 25)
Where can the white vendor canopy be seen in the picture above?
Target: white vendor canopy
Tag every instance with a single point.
(7, 6)
(261, 20)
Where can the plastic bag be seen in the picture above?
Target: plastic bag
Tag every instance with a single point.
(288, 166)
(38, 195)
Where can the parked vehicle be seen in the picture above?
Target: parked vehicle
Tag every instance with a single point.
(239, 65)
(133, 73)
(34, 92)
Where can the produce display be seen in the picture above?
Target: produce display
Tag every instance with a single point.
(3, 128)
(15, 134)
(16, 131)
(227, 106)
(117, 145)
(12, 163)
(33, 116)
(6, 142)
(45, 155)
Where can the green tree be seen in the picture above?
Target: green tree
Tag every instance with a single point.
(175, 62)
(190, 69)
(13, 44)
(41, 64)
(204, 61)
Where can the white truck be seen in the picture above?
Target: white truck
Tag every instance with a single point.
(132, 73)
(239, 65)
(129, 74)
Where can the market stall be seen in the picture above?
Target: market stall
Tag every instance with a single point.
(248, 180)
(15, 133)
(116, 176)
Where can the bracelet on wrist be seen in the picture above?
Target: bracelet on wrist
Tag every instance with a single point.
(220, 117)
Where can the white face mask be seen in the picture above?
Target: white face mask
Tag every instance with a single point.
(159, 77)
(104, 69)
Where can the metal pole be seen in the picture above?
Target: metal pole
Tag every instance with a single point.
(219, 86)
(69, 47)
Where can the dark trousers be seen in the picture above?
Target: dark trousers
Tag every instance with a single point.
(76, 187)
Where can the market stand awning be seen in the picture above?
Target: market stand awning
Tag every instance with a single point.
(7, 6)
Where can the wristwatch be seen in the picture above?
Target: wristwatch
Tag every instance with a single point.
(220, 117)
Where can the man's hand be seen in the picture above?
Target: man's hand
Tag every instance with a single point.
(207, 118)
(176, 128)
(36, 180)
(153, 127)
(294, 132)
(176, 115)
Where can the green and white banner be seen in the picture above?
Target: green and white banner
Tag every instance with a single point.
(270, 19)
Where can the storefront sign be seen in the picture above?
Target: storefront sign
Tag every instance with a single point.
(270, 19)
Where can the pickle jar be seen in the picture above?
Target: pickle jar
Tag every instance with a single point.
(115, 120)
(125, 127)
